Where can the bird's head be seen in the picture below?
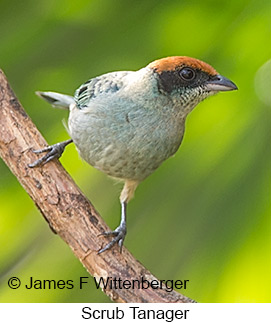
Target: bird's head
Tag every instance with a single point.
(188, 80)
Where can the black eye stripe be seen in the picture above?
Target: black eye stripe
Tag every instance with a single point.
(187, 74)
(181, 79)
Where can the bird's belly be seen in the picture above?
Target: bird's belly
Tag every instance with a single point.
(121, 150)
(120, 162)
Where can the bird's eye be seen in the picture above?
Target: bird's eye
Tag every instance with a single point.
(187, 74)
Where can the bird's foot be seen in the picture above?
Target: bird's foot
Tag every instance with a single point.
(119, 235)
(54, 151)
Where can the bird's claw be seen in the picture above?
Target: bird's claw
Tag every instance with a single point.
(119, 235)
(54, 151)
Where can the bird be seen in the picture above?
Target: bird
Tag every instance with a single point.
(127, 123)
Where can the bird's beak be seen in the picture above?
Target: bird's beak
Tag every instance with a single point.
(220, 83)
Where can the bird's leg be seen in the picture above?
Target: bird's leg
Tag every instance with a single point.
(119, 233)
(54, 151)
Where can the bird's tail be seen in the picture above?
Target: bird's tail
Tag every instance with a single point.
(57, 100)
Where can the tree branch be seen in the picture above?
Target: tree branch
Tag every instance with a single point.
(65, 208)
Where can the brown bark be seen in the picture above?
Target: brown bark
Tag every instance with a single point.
(65, 208)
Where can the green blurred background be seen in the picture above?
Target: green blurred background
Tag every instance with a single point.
(205, 214)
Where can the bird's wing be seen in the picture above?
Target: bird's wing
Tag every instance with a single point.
(93, 88)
